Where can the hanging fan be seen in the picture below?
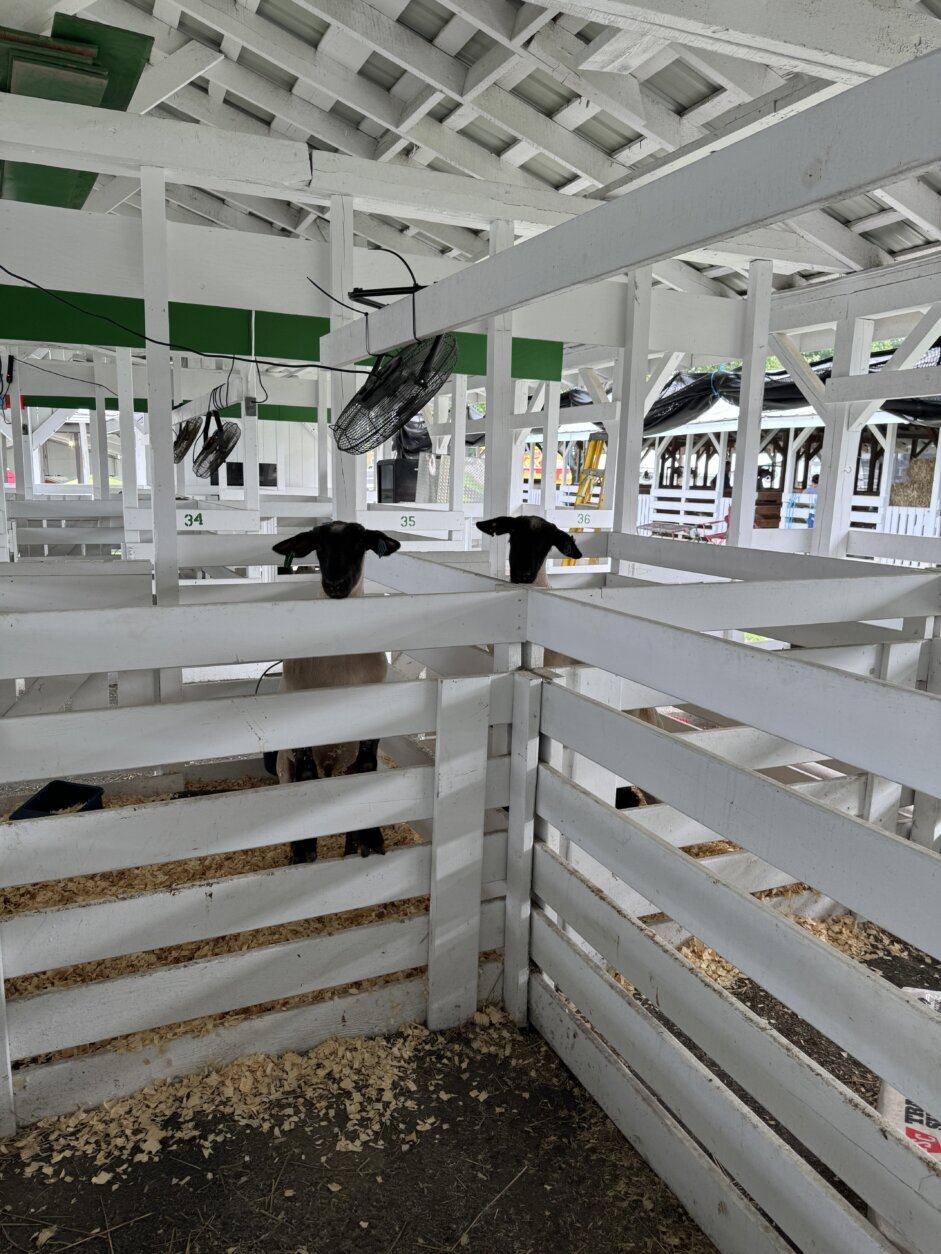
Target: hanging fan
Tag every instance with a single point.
(217, 447)
(185, 438)
(398, 386)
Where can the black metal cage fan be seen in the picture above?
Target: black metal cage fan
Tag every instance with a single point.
(399, 385)
(400, 382)
(218, 445)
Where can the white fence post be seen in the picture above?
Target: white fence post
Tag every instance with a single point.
(7, 1110)
(457, 849)
(926, 814)
(524, 764)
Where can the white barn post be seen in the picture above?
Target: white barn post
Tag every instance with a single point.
(458, 432)
(457, 849)
(499, 432)
(99, 436)
(524, 764)
(633, 392)
(159, 386)
(128, 432)
(751, 396)
(926, 820)
(349, 471)
(841, 442)
(22, 474)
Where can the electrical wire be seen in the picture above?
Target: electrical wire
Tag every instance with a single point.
(149, 339)
(264, 673)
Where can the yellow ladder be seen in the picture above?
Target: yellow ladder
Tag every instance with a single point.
(592, 477)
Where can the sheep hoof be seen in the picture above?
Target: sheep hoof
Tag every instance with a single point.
(303, 851)
(369, 840)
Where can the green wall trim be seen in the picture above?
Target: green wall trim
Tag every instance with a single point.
(27, 314)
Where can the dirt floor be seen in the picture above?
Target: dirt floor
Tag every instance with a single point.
(489, 1145)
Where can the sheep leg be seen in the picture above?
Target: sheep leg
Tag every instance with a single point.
(304, 768)
(369, 839)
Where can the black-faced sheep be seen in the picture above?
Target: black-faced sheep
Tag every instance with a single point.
(341, 549)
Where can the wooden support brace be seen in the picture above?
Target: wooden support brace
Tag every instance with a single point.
(524, 764)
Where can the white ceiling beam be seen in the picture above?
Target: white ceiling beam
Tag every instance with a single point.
(917, 201)
(289, 107)
(619, 51)
(75, 137)
(850, 41)
(686, 278)
(397, 43)
(111, 191)
(217, 211)
(744, 79)
(292, 109)
(213, 111)
(730, 128)
(839, 242)
(787, 249)
(37, 18)
(886, 126)
(873, 221)
(175, 71)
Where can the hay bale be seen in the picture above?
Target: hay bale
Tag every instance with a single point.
(914, 491)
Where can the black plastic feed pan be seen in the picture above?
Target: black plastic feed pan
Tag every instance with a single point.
(59, 795)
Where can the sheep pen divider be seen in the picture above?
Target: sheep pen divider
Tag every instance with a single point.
(455, 796)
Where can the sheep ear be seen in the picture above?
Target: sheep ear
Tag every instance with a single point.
(497, 526)
(300, 545)
(565, 544)
(381, 544)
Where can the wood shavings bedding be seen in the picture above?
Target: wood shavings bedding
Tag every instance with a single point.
(853, 937)
(364, 1081)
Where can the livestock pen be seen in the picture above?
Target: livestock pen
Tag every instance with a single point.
(720, 969)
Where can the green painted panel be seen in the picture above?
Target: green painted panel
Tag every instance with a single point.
(537, 359)
(27, 314)
(471, 352)
(123, 53)
(289, 335)
(208, 328)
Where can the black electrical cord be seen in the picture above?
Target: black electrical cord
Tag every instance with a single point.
(263, 674)
(149, 339)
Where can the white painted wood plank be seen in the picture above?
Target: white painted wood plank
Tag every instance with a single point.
(881, 727)
(119, 739)
(768, 1169)
(860, 1011)
(728, 562)
(46, 939)
(206, 635)
(711, 1198)
(866, 868)
(79, 1083)
(884, 385)
(925, 549)
(457, 850)
(524, 762)
(776, 603)
(107, 1008)
(835, 1125)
